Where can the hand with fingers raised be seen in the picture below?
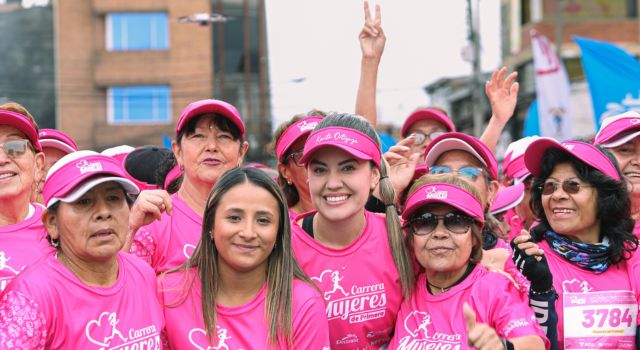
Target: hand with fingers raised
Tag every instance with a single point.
(502, 94)
(402, 163)
(480, 336)
(372, 38)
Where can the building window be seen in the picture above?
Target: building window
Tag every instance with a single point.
(139, 104)
(137, 31)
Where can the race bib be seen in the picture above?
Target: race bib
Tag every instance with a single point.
(600, 320)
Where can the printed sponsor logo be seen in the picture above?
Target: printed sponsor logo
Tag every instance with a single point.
(521, 322)
(576, 286)
(349, 339)
(304, 126)
(198, 338)
(337, 136)
(433, 194)
(7, 273)
(422, 336)
(86, 167)
(104, 332)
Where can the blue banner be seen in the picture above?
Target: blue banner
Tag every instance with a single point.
(613, 76)
(532, 121)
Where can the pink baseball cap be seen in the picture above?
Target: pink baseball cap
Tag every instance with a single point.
(513, 163)
(426, 114)
(22, 123)
(300, 128)
(458, 141)
(583, 151)
(444, 193)
(118, 153)
(78, 172)
(618, 129)
(57, 139)
(210, 106)
(173, 174)
(507, 198)
(349, 140)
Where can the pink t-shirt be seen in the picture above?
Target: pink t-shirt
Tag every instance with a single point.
(436, 321)
(360, 284)
(569, 278)
(242, 327)
(170, 241)
(22, 245)
(48, 307)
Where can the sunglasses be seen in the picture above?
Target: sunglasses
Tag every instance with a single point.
(422, 137)
(568, 186)
(296, 156)
(426, 223)
(15, 148)
(467, 171)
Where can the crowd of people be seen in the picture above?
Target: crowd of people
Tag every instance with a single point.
(433, 244)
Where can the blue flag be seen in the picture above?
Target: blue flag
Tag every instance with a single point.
(532, 121)
(613, 76)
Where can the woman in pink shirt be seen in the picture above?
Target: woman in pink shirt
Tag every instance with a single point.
(88, 294)
(241, 288)
(209, 141)
(22, 235)
(457, 303)
(582, 246)
(356, 257)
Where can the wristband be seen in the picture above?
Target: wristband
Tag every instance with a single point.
(507, 344)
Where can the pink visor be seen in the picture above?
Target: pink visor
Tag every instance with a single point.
(173, 174)
(24, 124)
(295, 131)
(78, 172)
(447, 194)
(210, 106)
(57, 139)
(516, 169)
(452, 141)
(583, 151)
(507, 198)
(349, 140)
(618, 129)
(426, 114)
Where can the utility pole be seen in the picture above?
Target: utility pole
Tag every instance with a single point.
(559, 28)
(476, 90)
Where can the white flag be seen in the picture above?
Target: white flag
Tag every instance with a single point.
(552, 89)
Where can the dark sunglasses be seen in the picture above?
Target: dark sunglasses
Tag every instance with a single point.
(296, 156)
(422, 137)
(569, 186)
(466, 171)
(15, 148)
(426, 223)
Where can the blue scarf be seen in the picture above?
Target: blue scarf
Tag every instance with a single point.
(591, 257)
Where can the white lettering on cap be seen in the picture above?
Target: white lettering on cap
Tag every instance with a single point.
(634, 121)
(433, 194)
(337, 136)
(569, 147)
(304, 126)
(86, 167)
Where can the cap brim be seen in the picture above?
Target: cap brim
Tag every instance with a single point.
(24, 126)
(451, 144)
(508, 203)
(621, 140)
(536, 150)
(354, 152)
(128, 185)
(53, 143)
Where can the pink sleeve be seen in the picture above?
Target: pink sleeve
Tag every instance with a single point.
(143, 246)
(22, 324)
(311, 327)
(522, 282)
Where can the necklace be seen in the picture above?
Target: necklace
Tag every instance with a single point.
(467, 272)
(442, 289)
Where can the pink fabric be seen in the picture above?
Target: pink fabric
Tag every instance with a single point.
(515, 223)
(349, 140)
(201, 107)
(23, 123)
(57, 139)
(242, 327)
(568, 278)
(36, 311)
(169, 242)
(426, 114)
(444, 193)
(360, 284)
(617, 127)
(436, 321)
(296, 130)
(21, 245)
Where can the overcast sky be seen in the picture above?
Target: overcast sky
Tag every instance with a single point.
(314, 54)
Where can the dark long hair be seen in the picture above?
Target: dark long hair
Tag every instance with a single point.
(613, 207)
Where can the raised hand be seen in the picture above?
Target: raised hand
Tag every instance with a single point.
(480, 336)
(502, 94)
(402, 163)
(372, 38)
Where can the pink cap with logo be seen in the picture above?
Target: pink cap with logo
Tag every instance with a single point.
(426, 114)
(57, 139)
(78, 172)
(583, 151)
(507, 198)
(462, 142)
(222, 108)
(349, 140)
(447, 194)
(22, 123)
(295, 131)
(513, 163)
(618, 129)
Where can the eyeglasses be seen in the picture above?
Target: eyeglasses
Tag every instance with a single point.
(422, 137)
(296, 156)
(466, 171)
(569, 186)
(15, 148)
(426, 223)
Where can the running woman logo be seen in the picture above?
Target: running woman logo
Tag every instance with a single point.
(576, 286)
(7, 273)
(86, 167)
(357, 304)
(431, 193)
(421, 334)
(104, 332)
(304, 126)
(198, 338)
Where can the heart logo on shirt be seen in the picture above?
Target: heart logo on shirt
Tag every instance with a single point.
(198, 337)
(576, 286)
(104, 328)
(416, 324)
(188, 250)
(330, 282)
